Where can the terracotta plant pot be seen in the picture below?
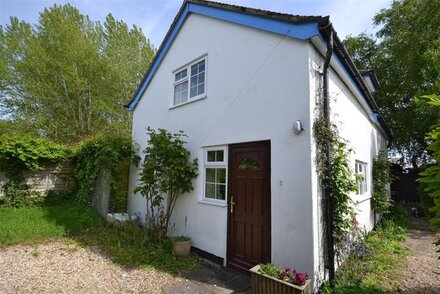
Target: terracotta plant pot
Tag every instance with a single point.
(181, 248)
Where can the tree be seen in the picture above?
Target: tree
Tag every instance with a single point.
(430, 177)
(166, 174)
(70, 76)
(403, 58)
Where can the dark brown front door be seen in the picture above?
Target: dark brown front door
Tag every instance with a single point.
(249, 204)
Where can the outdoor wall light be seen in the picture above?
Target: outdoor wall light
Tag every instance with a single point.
(297, 127)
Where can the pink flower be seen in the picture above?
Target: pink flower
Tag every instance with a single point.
(300, 278)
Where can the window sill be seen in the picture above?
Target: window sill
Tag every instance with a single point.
(187, 102)
(363, 198)
(213, 203)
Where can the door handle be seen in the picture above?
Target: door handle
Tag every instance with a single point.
(232, 204)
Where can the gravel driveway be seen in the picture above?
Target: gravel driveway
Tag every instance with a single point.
(422, 272)
(62, 266)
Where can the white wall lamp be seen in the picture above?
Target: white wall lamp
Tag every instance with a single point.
(297, 127)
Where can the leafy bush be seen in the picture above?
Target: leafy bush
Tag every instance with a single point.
(20, 154)
(380, 199)
(166, 169)
(97, 155)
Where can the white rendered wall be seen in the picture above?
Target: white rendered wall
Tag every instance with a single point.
(257, 87)
(352, 117)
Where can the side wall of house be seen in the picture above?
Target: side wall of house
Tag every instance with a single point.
(353, 120)
(256, 90)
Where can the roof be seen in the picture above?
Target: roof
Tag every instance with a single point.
(294, 26)
(373, 77)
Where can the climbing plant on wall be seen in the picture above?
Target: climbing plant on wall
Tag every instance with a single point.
(342, 181)
(21, 154)
(380, 199)
(96, 155)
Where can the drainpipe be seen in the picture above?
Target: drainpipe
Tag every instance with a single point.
(327, 30)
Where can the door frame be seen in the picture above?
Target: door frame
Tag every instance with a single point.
(267, 144)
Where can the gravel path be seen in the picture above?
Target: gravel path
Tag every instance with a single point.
(62, 266)
(422, 272)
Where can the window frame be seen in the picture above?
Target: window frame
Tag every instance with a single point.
(187, 67)
(216, 165)
(364, 174)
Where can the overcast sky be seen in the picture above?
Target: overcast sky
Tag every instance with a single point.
(155, 16)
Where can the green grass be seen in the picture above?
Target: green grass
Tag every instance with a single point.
(130, 246)
(380, 270)
(126, 245)
(37, 223)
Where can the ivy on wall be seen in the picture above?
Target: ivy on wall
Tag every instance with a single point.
(380, 199)
(342, 180)
(21, 154)
(111, 155)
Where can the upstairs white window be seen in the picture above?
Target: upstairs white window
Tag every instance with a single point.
(361, 171)
(190, 82)
(215, 174)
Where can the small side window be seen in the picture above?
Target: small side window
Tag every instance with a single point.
(361, 171)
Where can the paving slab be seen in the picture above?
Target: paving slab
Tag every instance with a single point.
(211, 278)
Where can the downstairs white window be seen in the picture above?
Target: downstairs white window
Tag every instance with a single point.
(215, 174)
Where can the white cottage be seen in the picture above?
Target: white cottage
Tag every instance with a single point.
(243, 84)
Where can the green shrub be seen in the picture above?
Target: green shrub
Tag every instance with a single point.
(20, 154)
(96, 155)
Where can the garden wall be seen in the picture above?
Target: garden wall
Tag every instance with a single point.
(53, 177)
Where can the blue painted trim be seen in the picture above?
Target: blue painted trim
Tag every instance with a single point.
(297, 31)
(158, 59)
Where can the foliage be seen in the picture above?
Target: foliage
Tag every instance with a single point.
(343, 182)
(108, 156)
(20, 154)
(130, 245)
(37, 223)
(376, 263)
(380, 199)
(430, 177)
(287, 275)
(71, 76)
(407, 64)
(166, 169)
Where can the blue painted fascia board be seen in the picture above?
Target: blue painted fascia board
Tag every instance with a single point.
(157, 61)
(298, 31)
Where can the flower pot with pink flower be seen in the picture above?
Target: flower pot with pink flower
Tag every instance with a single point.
(270, 279)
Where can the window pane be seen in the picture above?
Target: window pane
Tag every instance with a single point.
(184, 96)
(193, 92)
(194, 69)
(201, 89)
(193, 81)
(249, 163)
(201, 66)
(219, 155)
(210, 175)
(221, 176)
(180, 75)
(221, 192)
(211, 156)
(201, 77)
(210, 191)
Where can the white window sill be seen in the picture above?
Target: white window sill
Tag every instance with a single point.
(213, 203)
(363, 198)
(188, 102)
